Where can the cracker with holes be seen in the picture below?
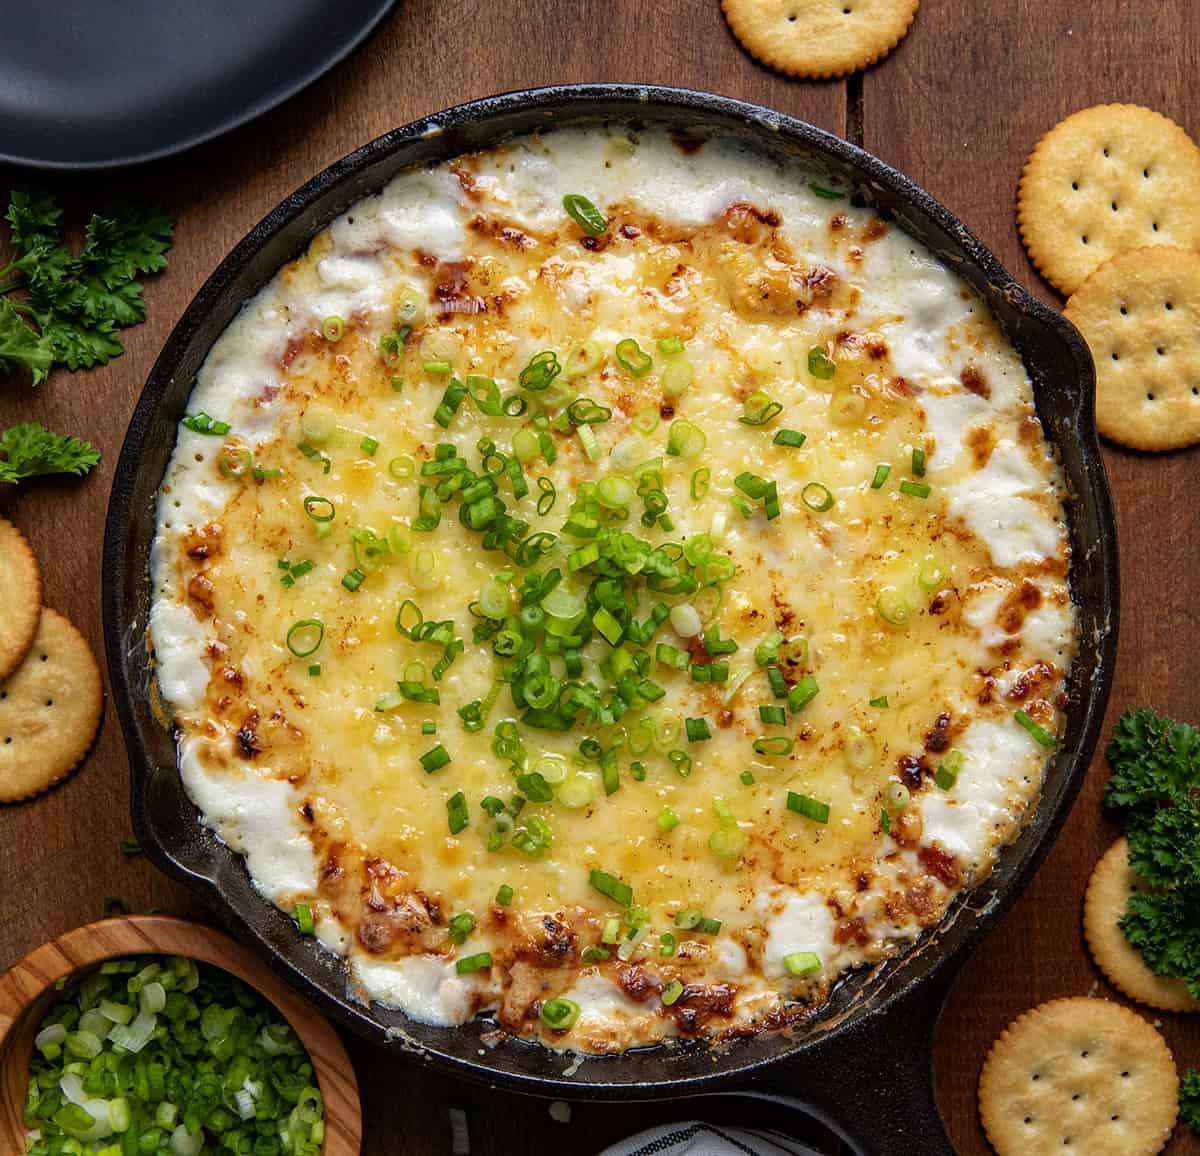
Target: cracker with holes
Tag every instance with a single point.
(21, 606)
(49, 710)
(1140, 315)
(1104, 181)
(819, 38)
(1078, 1075)
(1108, 891)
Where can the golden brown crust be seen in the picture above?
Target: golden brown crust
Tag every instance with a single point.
(1140, 315)
(49, 710)
(1108, 891)
(1106, 180)
(1079, 1075)
(819, 39)
(21, 607)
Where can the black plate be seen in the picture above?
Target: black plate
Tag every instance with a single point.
(863, 1063)
(88, 84)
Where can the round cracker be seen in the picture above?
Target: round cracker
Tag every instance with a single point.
(819, 38)
(1108, 891)
(1079, 1075)
(21, 606)
(49, 710)
(1140, 315)
(1104, 181)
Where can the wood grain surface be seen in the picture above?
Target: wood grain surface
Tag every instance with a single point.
(27, 991)
(957, 106)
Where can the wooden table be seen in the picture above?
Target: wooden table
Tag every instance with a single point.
(957, 107)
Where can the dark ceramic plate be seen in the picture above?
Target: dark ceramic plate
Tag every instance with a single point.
(87, 84)
(863, 1063)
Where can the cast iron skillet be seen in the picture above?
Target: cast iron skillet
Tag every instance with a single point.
(862, 1064)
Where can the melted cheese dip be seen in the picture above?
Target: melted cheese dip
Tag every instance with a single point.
(929, 608)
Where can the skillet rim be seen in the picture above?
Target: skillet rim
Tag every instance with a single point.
(1017, 862)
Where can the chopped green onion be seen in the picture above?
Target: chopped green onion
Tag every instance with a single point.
(589, 441)
(504, 896)
(304, 637)
(896, 796)
(319, 509)
(802, 693)
(773, 715)
(437, 368)
(789, 437)
(559, 1014)
(633, 358)
(700, 483)
(435, 758)
(697, 730)
(931, 575)
(880, 703)
(333, 328)
(881, 476)
(801, 963)
(456, 812)
(808, 807)
(747, 778)
(670, 345)
(774, 745)
(402, 467)
(461, 925)
(817, 497)
(819, 364)
(893, 607)
(304, 918)
(685, 440)
(451, 400)
(353, 579)
(947, 772)
(594, 954)
(914, 489)
(759, 409)
(676, 376)
(585, 214)
(542, 369)
(609, 885)
(391, 346)
(672, 992)
(476, 962)
(667, 820)
(314, 669)
(582, 358)
(234, 461)
(1039, 734)
(201, 423)
(368, 446)
(824, 193)
(918, 463)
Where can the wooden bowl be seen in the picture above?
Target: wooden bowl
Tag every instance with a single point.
(27, 991)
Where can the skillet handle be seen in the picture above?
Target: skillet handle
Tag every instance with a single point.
(871, 1083)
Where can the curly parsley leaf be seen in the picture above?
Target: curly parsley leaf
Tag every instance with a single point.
(1156, 786)
(1189, 1099)
(30, 450)
(75, 304)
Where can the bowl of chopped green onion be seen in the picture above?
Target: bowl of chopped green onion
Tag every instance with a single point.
(152, 1036)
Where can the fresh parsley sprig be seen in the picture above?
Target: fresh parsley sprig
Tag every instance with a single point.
(1156, 787)
(1189, 1099)
(30, 450)
(70, 306)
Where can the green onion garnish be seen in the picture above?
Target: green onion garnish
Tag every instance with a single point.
(435, 758)
(773, 715)
(817, 497)
(747, 778)
(670, 345)
(685, 440)
(700, 483)
(333, 328)
(542, 369)
(456, 812)
(789, 437)
(824, 193)
(314, 669)
(461, 925)
(667, 820)
(504, 896)
(881, 475)
(619, 892)
(353, 579)
(948, 770)
(880, 703)
(304, 919)
(819, 364)
(918, 463)
(319, 509)
(368, 446)
(1040, 734)
(585, 214)
(451, 400)
(304, 637)
(436, 368)
(802, 693)
(633, 358)
(428, 727)
(808, 807)
(759, 409)
(697, 730)
(559, 1014)
(476, 962)
(801, 963)
(201, 423)
(547, 497)
(914, 489)
(774, 745)
(672, 992)
(893, 607)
